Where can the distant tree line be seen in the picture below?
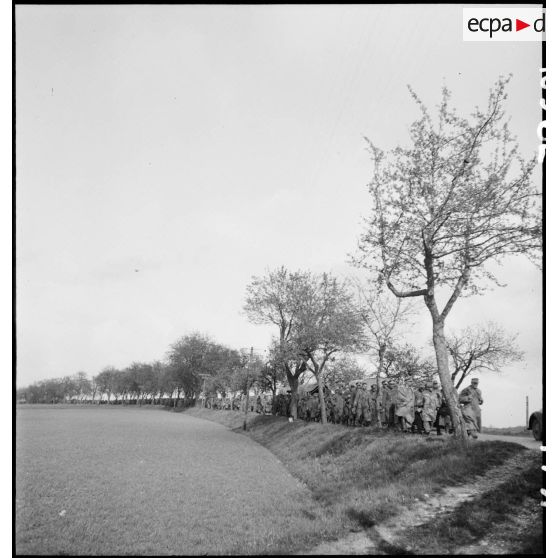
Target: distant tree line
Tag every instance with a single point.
(323, 325)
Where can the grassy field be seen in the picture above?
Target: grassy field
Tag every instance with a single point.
(144, 481)
(363, 477)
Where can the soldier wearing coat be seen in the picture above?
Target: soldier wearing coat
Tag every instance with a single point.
(314, 407)
(389, 403)
(328, 405)
(338, 403)
(367, 410)
(429, 407)
(419, 402)
(404, 405)
(347, 409)
(301, 408)
(377, 405)
(352, 396)
(358, 405)
(476, 400)
(385, 403)
(468, 413)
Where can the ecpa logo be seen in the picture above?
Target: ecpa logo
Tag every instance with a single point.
(503, 24)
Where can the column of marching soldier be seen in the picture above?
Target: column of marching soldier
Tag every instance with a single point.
(415, 408)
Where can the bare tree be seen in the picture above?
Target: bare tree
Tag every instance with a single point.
(383, 317)
(460, 196)
(342, 368)
(275, 299)
(328, 324)
(486, 347)
(406, 360)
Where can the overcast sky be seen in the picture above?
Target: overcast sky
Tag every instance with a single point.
(165, 154)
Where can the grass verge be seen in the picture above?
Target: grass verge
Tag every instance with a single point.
(362, 476)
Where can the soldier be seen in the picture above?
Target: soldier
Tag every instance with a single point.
(404, 405)
(314, 407)
(301, 407)
(328, 405)
(419, 402)
(385, 403)
(429, 407)
(373, 405)
(287, 408)
(469, 414)
(379, 394)
(352, 395)
(338, 403)
(367, 406)
(275, 405)
(282, 405)
(347, 408)
(389, 403)
(356, 405)
(476, 400)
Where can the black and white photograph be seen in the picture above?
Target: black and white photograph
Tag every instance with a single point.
(279, 279)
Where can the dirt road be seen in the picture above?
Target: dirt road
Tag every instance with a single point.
(528, 442)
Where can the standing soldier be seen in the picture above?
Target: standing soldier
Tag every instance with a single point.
(338, 404)
(281, 404)
(373, 405)
(476, 400)
(419, 402)
(328, 405)
(367, 405)
(391, 397)
(301, 407)
(347, 408)
(379, 394)
(288, 397)
(468, 412)
(429, 407)
(275, 405)
(352, 394)
(314, 406)
(356, 405)
(404, 405)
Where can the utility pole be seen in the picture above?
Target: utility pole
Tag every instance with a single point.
(527, 412)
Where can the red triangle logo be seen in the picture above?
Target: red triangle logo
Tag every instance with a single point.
(519, 25)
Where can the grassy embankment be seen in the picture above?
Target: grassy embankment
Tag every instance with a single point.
(362, 476)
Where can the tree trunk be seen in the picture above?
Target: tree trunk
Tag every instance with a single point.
(293, 384)
(321, 397)
(450, 393)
